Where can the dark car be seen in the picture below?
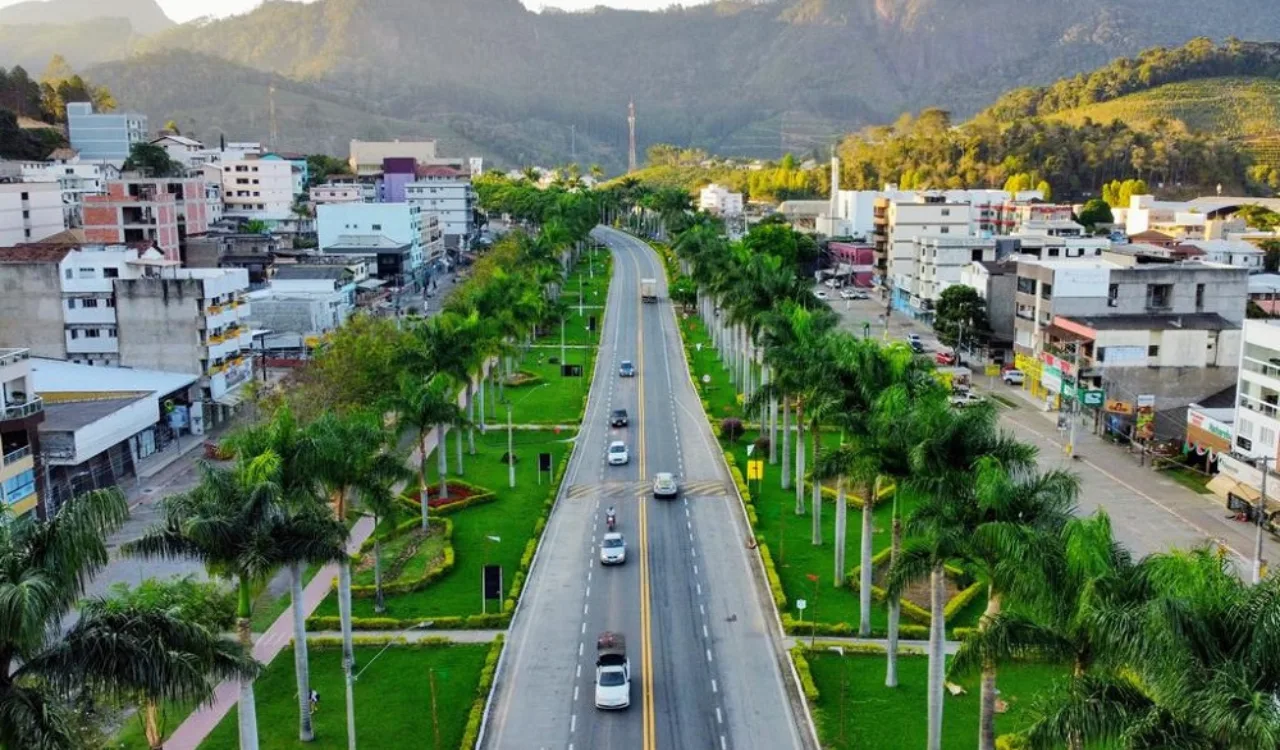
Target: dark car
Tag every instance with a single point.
(627, 370)
(618, 418)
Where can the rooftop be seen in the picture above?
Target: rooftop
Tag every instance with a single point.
(35, 253)
(69, 416)
(439, 171)
(60, 376)
(1072, 263)
(181, 140)
(300, 272)
(1190, 322)
(1225, 246)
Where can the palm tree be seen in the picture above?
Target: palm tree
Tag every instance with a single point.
(44, 566)
(380, 498)
(352, 453)
(424, 406)
(943, 479)
(142, 655)
(235, 521)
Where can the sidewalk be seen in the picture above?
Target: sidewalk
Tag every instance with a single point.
(1149, 512)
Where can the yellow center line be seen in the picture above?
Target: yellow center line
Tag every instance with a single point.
(649, 732)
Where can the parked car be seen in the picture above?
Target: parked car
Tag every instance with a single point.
(965, 398)
(664, 485)
(913, 340)
(832, 283)
(618, 454)
(945, 358)
(1013, 377)
(618, 418)
(613, 549)
(626, 369)
(851, 293)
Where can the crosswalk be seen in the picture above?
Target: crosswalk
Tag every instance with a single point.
(637, 490)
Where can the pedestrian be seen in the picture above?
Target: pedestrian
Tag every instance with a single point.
(315, 700)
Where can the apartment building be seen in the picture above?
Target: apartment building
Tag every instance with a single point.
(939, 263)
(447, 194)
(300, 168)
(188, 152)
(21, 412)
(156, 210)
(404, 238)
(995, 281)
(30, 211)
(719, 200)
(128, 306)
(1255, 428)
(366, 157)
(255, 253)
(105, 136)
(304, 303)
(924, 216)
(256, 188)
(74, 178)
(337, 192)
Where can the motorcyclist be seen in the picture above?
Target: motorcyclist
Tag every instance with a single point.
(610, 517)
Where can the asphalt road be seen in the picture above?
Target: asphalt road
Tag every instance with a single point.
(707, 669)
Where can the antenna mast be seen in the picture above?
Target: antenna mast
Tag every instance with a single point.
(631, 124)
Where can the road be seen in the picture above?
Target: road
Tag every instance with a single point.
(707, 666)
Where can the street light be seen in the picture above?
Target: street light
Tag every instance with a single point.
(511, 459)
(351, 681)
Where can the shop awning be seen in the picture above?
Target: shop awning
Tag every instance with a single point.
(371, 283)
(1224, 485)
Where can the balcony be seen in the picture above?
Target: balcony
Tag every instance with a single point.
(13, 356)
(14, 457)
(1260, 407)
(1266, 369)
(22, 410)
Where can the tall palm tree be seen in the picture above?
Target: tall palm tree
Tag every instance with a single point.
(236, 522)
(44, 566)
(352, 453)
(379, 498)
(425, 406)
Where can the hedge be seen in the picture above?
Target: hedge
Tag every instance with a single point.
(806, 677)
(490, 621)
(962, 599)
(861, 648)
(775, 583)
(797, 628)
(331, 643)
(430, 576)
(472, 732)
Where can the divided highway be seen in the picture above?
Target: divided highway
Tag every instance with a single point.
(706, 669)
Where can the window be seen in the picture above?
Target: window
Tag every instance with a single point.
(1199, 297)
(90, 302)
(1153, 351)
(1026, 286)
(92, 333)
(944, 230)
(66, 274)
(26, 196)
(1244, 427)
(71, 304)
(1113, 295)
(1159, 296)
(1053, 252)
(1101, 354)
(1244, 443)
(111, 301)
(75, 333)
(19, 487)
(26, 214)
(1266, 436)
(110, 273)
(1046, 290)
(946, 212)
(111, 333)
(377, 227)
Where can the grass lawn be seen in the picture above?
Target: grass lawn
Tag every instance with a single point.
(553, 399)
(418, 554)
(392, 698)
(575, 327)
(1189, 478)
(594, 288)
(511, 518)
(888, 719)
(720, 394)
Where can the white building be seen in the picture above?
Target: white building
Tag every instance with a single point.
(21, 412)
(447, 193)
(337, 192)
(188, 152)
(304, 303)
(1204, 218)
(1231, 252)
(259, 189)
(74, 178)
(404, 238)
(107, 136)
(720, 200)
(925, 216)
(940, 262)
(1257, 418)
(30, 211)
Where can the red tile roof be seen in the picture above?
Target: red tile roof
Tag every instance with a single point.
(439, 171)
(34, 253)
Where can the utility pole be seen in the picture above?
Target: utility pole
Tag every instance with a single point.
(511, 458)
(1262, 519)
(1071, 413)
(631, 126)
(573, 156)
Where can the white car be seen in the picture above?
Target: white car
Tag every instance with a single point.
(664, 485)
(1013, 377)
(850, 293)
(613, 550)
(967, 398)
(618, 455)
(613, 672)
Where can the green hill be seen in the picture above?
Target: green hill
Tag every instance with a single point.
(1240, 108)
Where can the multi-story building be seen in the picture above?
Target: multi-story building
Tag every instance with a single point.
(74, 178)
(304, 303)
(188, 152)
(255, 253)
(401, 235)
(926, 216)
(995, 281)
(446, 193)
(156, 210)
(128, 306)
(255, 188)
(21, 412)
(337, 192)
(30, 211)
(301, 169)
(105, 136)
(1231, 252)
(939, 263)
(1255, 428)
(719, 200)
(367, 156)
(1168, 332)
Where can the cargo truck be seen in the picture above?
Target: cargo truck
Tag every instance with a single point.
(649, 290)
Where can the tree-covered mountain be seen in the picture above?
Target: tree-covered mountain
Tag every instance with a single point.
(732, 77)
(145, 16)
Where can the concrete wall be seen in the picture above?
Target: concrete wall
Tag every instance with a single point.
(1174, 388)
(158, 321)
(31, 309)
(1000, 290)
(1226, 290)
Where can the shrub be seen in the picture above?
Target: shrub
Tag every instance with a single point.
(731, 429)
(775, 583)
(962, 600)
(1012, 742)
(806, 677)
(761, 445)
(430, 576)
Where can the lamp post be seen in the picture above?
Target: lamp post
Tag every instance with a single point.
(1262, 520)
(351, 681)
(511, 459)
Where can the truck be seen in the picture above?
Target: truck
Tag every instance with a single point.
(649, 290)
(613, 672)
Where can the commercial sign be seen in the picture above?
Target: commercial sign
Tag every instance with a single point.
(1115, 406)
(1051, 379)
(1147, 400)
(1068, 390)
(1064, 365)
(1092, 398)
(1204, 433)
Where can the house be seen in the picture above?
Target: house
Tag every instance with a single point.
(188, 152)
(719, 200)
(74, 178)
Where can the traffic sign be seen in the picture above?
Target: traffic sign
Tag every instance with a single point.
(755, 470)
(801, 604)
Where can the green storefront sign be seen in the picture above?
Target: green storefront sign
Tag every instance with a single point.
(1092, 398)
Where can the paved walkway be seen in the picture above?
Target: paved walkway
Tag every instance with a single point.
(792, 640)
(421, 634)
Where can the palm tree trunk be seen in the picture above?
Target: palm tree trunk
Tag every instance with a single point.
(458, 442)
(378, 605)
(937, 667)
(422, 478)
(484, 382)
(344, 609)
(800, 456)
(248, 708)
(442, 462)
(786, 443)
(987, 691)
(864, 560)
(895, 603)
(842, 531)
(151, 725)
(815, 491)
(471, 419)
(773, 431)
(300, 665)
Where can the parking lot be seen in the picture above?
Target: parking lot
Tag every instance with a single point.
(860, 316)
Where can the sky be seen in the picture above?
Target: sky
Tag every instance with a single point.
(185, 10)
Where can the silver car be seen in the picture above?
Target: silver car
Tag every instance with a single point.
(664, 485)
(618, 454)
(613, 550)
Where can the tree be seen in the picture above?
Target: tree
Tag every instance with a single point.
(151, 160)
(320, 167)
(1271, 257)
(380, 498)
(172, 127)
(202, 603)
(959, 315)
(424, 405)
(1095, 212)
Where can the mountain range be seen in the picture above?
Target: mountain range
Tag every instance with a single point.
(492, 77)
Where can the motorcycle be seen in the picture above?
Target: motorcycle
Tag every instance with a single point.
(611, 519)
